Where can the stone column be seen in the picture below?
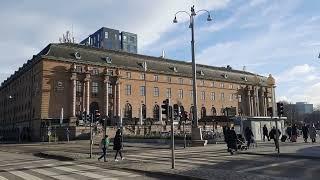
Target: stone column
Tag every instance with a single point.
(118, 98)
(140, 115)
(114, 93)
(160, 114)
(257, 101)
(87, 84)
(106, 95)
(74, 93)
(273, 100)
(249, 102)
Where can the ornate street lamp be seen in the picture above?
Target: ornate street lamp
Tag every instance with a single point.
(196, 132)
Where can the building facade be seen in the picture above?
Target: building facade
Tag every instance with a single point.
(107, 38)
(131, 87)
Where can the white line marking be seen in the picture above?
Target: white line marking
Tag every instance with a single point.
(19, 163)
(119, 173)
(3, 178)
(270, 165)
(52, 174)
(24, 175)
(87, 174)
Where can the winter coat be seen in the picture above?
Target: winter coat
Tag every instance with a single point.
(273, 133)
(313, 132)
(117, 142)
(305, 132)
(248, 134)
(265, 130)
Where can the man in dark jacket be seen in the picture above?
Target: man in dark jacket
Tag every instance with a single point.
(273, 135)
(248, 134)
(117, 144)
(305, 132)
(231, 140)
(265, 133)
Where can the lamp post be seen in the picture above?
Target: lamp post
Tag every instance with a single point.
(195, 128)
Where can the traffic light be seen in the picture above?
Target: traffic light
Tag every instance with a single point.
(270, 111)
(165, 107)
(96, 115)
(83, 115)
(170, 112)
(176, 110)
(280, 109)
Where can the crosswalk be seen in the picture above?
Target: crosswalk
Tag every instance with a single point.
(188, 157)
(41, 169)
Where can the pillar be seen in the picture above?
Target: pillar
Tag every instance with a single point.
(106, 95)
(87, 84)
(74, 93)
(249, 103)
(257, 102)
(273, 100)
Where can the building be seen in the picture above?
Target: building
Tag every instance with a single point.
(107, 38)
(303, 108)
(81, 78)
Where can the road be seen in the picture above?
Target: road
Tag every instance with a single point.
(21, 166)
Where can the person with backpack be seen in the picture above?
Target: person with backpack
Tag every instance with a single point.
(104, 146)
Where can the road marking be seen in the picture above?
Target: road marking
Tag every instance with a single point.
(270, 165)
(24, 175)
(119, 173)
(52, 174)
(3, 178)
(87, 174)
(19, 163)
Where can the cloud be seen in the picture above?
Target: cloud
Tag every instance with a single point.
(297, 73)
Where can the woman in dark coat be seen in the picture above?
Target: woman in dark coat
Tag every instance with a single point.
(117, 144)
(248, 134)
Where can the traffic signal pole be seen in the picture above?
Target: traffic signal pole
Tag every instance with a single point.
(91, 142)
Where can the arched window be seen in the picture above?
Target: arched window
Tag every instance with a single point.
(213, 111)
(203, 112)
(144, 111)
(128, 111)
(156, 112)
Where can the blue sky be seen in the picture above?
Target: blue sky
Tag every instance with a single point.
(275, 37)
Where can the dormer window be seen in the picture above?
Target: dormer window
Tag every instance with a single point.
(225, 76)
(108, 59)
(174, 69)
(201, 73)
(77, 55)
(245, 78)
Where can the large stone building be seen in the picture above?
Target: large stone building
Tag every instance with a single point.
(79, 78)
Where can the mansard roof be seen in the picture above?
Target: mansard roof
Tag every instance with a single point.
(112, 58)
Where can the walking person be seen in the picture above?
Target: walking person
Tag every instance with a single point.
(273, 135)
(248, 135)
(117, 144)
(289, 132)
(265, 133)
(104, 146)
(305, 132)
(313, 133)
(294, 133)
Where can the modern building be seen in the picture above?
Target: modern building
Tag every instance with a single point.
(107, 38)
(120, 85)
(303, 108)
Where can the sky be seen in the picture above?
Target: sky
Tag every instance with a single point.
(275, 37)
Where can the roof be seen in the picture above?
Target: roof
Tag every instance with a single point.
(125, 60)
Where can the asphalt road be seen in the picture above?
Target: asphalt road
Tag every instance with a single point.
(19, 166)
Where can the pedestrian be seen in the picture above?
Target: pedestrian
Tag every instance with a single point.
(294, 133)
(305, 132)
(232, 140)
(104, 146)
(117, 144)
(273, 135)
(248, 135)
(313, 133)
(265, 133)
(227, 138)
(289, 132)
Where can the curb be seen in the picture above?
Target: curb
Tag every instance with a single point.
(283, 155)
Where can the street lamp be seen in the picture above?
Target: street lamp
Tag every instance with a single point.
(196, 132)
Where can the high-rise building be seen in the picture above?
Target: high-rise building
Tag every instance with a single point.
(107, 38)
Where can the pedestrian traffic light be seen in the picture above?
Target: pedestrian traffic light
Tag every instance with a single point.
(270, 111)
(176, 110)
(165, 107)
(280, 109)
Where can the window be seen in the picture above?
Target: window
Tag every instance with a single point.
(202, 83)
(169, 79)
(191, 93)
(132, 39)
(115, 36)
(98, 37)
(156, 91)
(156, 77)
(212, 96)
(95, 71)
(180, 93)
(203, 95)
(124, 37)
(110, 72)
(222, 96)
(212, 84)
(142, 76)
(191, 81)
(128, 47)
(106, 35)
(142, 90)
(128, 89)
(78, 86)
(168, 93)
(230, 86)
(95, 88)
(109, 88)
(239, 98)
(78, 69)
(180, 81)
(128, 111)
(231, 97)
(222, 85)
(128, 75)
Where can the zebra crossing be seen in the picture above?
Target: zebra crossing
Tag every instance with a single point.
(40, 169)
(188, 157)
